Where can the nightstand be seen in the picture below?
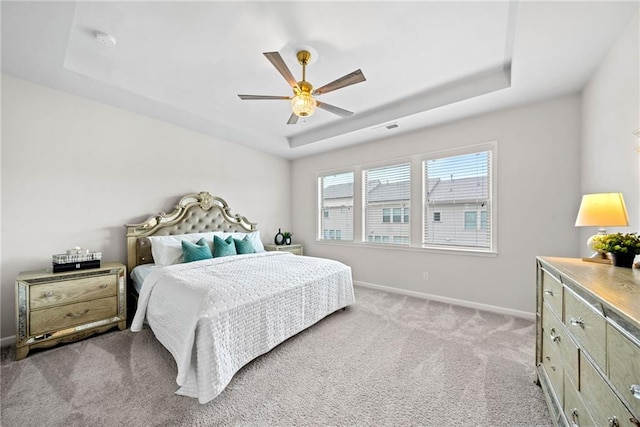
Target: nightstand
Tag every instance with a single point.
(294, 249)
(53, 308)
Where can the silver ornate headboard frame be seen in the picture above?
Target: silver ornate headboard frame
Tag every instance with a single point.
(194, 213)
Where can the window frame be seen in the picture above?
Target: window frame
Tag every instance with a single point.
(322, 228)
(391, 210)
(417, 209)
(492, 148)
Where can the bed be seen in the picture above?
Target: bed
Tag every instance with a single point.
(215, 315)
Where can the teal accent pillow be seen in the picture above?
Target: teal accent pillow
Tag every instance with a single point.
(244, 246)
(195, 251)
(224, 247)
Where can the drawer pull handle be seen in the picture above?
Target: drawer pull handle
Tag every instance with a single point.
(103, 286)
(574, 418)
(577, 322)
(49, 294)
(548, 292)
(635, 390)
(613, 421)
(553, 336)
(78, 314)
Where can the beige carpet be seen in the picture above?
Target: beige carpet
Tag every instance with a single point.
(387, 360)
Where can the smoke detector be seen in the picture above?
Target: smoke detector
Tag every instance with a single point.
(105, 39)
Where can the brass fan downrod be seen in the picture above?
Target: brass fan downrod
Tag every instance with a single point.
(304, 57)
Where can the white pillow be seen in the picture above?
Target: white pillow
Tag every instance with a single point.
(167, 250)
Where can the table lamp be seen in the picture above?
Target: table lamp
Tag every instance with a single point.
(601, 210)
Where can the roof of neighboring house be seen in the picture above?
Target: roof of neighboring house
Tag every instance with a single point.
(338, 191)
(391, 191)
(438, 190)
(458, 189)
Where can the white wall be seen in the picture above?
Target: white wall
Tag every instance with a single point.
(611, 113)
(75, 171)
(538, 198)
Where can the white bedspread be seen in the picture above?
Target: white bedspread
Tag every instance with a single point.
(215, 316)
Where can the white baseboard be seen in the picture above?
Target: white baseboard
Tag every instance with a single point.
(7, 341)
(452, 301)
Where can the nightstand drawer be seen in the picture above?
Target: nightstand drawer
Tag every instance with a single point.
(587, 326)
(552, 292)
(295, 248)
(624, 367)
(70, 291)
(55, 318)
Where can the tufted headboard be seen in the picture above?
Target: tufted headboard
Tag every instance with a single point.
(194, 213)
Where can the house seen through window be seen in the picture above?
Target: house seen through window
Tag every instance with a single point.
(458, 201)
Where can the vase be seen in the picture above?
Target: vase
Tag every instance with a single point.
(287, 240)
(279, 239)
(623, 259)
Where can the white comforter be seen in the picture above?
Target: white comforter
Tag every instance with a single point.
(215, 316)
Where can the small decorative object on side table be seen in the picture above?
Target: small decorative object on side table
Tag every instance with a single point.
(287, 237)
(279, 238)
(53, 308)
(296, 249)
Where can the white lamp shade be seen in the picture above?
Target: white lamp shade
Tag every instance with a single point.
(602, 210)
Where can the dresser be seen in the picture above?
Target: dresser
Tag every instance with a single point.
(294, 249)
(588, 342)
(53, 308)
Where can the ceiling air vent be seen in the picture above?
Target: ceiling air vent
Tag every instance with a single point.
(386, 127)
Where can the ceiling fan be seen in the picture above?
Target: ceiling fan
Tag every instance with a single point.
(303, 101)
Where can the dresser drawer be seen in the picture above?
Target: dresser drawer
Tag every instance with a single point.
(587, 326)
(553, 367)
(574, 407)
(552, 292)
(560, 342)
(70, 291)
(61, 317)
(624, 367)
(603, 405)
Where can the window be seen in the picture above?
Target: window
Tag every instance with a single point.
(470, 220)
(386, 215)
(459, 187)
(335, 203)
(387, 201)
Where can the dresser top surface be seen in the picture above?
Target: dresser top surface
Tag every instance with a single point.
(617, 287)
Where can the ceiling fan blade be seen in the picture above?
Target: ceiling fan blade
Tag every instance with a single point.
(333, 109)
(293, 119)
(278, 62)
(246, 97)
(347, 80)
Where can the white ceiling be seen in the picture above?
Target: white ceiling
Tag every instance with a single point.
(425, 62)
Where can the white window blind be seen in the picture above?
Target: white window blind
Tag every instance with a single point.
(387, 202)
(335, 206)
(457, 201)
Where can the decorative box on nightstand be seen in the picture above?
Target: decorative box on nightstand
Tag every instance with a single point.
(52, 308)
(294, 249)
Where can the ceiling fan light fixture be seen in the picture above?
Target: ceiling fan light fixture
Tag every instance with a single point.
(303, 104)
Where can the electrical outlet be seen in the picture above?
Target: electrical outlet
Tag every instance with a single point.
(425, 275)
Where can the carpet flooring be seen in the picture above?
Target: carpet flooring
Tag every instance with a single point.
(388, 360)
